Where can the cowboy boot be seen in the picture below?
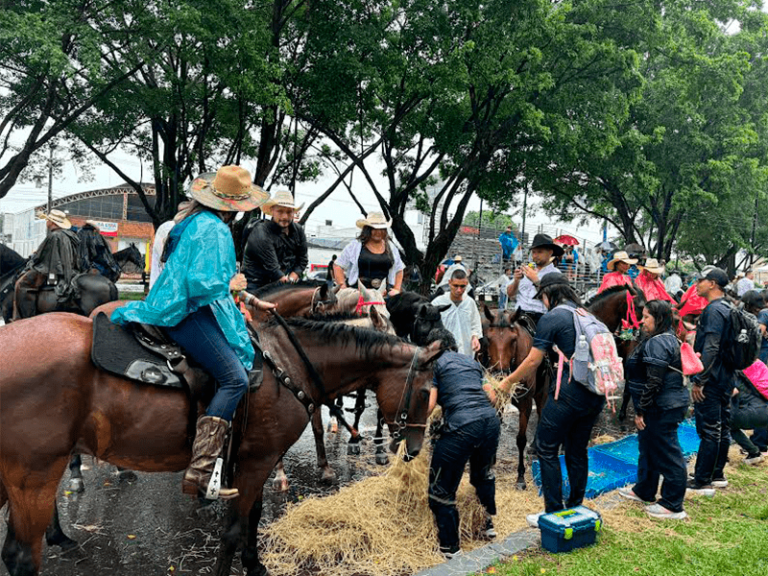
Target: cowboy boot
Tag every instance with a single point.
(25, 299)
(209, 442)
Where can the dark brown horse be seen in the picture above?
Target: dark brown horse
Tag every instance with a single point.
(60, 403)
(507, 341)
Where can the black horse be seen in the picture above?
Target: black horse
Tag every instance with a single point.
(92, 290)
(130, 260)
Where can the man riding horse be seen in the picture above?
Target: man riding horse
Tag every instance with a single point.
(95, 252)
(54, 263)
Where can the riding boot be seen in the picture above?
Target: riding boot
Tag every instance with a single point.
(25, 299)
(209, 443)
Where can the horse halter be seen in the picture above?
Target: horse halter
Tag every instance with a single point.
(361, 302)
(401, 420)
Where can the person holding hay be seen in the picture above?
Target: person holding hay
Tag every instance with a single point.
(470, 433)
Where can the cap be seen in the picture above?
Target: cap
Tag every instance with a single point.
(551, 279)
(718, 276)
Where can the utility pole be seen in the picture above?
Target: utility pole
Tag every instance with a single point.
(50, 179)
(525, 206)
(754, 231)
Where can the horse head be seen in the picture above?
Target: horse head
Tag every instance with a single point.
(501, 335)
(427, 319)
(135, 256)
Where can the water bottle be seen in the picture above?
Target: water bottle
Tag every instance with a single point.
(743, 338)
(582, 349)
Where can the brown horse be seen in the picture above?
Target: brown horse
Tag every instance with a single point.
(507, 341)
(60, 403)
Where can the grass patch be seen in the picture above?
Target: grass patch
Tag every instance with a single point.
(131, 296)
(725, 536)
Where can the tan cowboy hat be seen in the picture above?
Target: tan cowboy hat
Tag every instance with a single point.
(94, 224)
(230, 189)
(458, 259)
(59, 218)
(375, 220)
(621, 257)
(653, 266)
(281, 198)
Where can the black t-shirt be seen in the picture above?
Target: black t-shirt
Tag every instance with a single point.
(556, 328)
(459, 382)
(373, 266)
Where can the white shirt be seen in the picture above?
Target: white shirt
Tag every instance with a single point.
(526, 291)
(462, 320)
(743, 286)
(351, 254)
(157, 265)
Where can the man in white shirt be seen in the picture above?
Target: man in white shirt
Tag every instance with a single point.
(745, 284)
(526, 278)
(157, 265)
(462, 318)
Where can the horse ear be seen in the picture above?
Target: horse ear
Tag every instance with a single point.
(422, 313)
(431, 353)
(488, 313)
(378, 321)
(364, 291)
(443, 308)
(323, 293)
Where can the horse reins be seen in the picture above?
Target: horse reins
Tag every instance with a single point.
(401, 420)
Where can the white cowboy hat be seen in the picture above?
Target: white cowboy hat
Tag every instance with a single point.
(229, 189)
(281, 198)
(458, 259)
(653, 266)
(59, 218)
(375, 220)
(621, 257)
(94, 224)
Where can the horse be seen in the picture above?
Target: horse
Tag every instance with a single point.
(62, 403)
(130, 255)
(507, 340)
(11, 264)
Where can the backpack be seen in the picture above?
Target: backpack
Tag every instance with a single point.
(740, 343)
(597, 365)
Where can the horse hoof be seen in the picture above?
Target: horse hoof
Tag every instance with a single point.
(76, 485)
(521, 486)
(127, 476)
(353, 449)
(382, 459)
(281, 485)
(328, 475)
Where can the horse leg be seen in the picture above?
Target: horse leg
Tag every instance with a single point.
(54, 534)
(76, 483)
(353, 447)
(381, 453)
(250, 557)
(522, 441)
(322, 459)
(281, 480)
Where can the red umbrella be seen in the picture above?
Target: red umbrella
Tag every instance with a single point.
(567, 240)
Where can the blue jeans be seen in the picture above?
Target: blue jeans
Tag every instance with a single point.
(713, 415)
(475, 443)
(202, 339)
(502, 299)
(567, 421)
(661, 455)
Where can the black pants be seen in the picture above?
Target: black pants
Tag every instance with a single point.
(713, 415)
(661, 455)
(746, 419)
(566, 422)
(475, 443)
(760, 439)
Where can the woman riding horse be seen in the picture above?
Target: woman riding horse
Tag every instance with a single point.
(192, 300)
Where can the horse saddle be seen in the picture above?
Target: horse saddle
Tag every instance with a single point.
(145, 354)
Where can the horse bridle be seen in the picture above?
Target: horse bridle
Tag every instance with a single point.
(401, 420)
(312, 302)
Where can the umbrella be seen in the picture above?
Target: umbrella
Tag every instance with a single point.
(567, 240)
(607, 246)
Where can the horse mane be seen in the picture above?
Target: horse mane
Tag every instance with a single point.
(276, 287)
(322, 329)
(598, 298)
(332, 317)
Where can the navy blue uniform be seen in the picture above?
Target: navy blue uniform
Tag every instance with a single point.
(762, 319)
(661, 397)
(567, 421)
(470, 434)
(713, 413)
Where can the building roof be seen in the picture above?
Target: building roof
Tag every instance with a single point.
(21, 198)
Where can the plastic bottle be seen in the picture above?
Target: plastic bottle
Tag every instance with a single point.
(743, 338)
(582, 349)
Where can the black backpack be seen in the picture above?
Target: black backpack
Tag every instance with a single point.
(740, 343)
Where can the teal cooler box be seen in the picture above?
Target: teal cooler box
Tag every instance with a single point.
(567, 530)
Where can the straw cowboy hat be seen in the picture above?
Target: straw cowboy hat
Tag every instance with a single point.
(653, 266)
(281, 198)
(376, 221)
(57, 217)
(93, 223)
(621, 257)
(229, 189)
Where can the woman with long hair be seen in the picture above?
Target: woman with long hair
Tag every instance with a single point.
(660, 397)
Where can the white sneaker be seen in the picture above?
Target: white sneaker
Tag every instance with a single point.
(533, 519)
(719, 482)
(752, 460)
(450, 555)
(658, 511)
(629, 494)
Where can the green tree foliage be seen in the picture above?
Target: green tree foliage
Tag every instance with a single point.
(490, 220)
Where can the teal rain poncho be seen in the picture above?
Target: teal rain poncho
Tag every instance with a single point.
(197, 274)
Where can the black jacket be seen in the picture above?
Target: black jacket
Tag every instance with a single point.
(653, 374)
(269, 254)
(96, 253)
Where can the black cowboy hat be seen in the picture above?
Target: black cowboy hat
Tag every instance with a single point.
(551, 279)
(544, 241)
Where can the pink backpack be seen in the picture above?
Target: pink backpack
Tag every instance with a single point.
(758, 375)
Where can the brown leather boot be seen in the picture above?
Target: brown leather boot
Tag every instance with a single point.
(209, 442)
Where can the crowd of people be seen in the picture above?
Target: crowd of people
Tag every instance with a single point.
(194, 272)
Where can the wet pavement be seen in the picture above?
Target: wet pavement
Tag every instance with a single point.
(148, 527)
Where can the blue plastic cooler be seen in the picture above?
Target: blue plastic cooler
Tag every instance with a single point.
(567, 530)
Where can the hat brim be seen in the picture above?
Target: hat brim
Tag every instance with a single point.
(65, 225)
(377, 226)
(202, 191)
(612, 264)
(269, 204)
(556, 250)
(659, 270)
